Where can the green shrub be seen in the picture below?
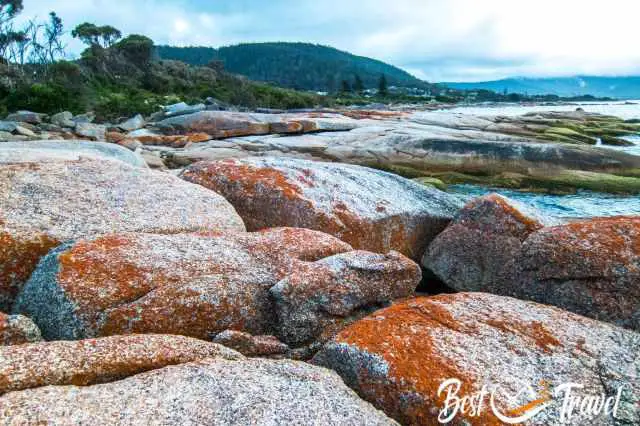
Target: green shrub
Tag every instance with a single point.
(47, 98)
(112, 105)
(137, 48)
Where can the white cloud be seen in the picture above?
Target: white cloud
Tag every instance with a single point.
(435, 39)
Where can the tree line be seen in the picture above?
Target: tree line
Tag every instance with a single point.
(41, 42)
(358, 87)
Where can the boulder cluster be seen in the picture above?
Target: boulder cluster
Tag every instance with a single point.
(275, 289)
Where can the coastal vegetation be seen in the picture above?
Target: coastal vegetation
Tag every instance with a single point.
(114, 76)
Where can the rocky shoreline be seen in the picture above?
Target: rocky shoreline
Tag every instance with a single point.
(542, 152)
(220, 267)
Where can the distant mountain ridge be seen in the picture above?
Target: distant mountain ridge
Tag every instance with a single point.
(301, 66)
(613, 87)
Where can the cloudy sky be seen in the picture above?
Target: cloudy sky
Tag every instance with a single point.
(438, 40)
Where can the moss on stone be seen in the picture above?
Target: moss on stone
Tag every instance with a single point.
(569, 181)
(404, 171)
(566, 132)
(582, 131)
(553, 182)
(431, 181)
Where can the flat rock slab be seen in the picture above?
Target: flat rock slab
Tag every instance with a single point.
(88, 362)
(369, 209)
(44, 204)
(201, 285)
(224, 124)
(399, 357)
(51, 151)
(589, 267)
(212, 391)
(17, 329)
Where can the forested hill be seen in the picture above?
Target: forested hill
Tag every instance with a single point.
(295, 65)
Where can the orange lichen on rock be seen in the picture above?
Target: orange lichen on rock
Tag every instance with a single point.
(590, 267)
(175, 141)
(535, 331)
(286, 127)
(520, 223)
(19, 255)
(115, 137)
(86, 271)
(251, 179)
(401, 336)
(202, 284)
(397, 358)
(604, 245)
(373, 115)
(369, 209)
(44, 204)
(191, 284)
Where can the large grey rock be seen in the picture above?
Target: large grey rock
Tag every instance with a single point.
(9, 137)
(399, 357)
(49, 127)
(182, 108)
(219, 124)
(369, 209)
(63, 119)
(8, 126)
(314, 302)
(87, 117)
(590, 267)
(24, 131)
(213, 391)
(92, 131)
(416, 145)
(134, 123)
(50, 151)
(226, 124)
(43, 204)
(25, 117)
